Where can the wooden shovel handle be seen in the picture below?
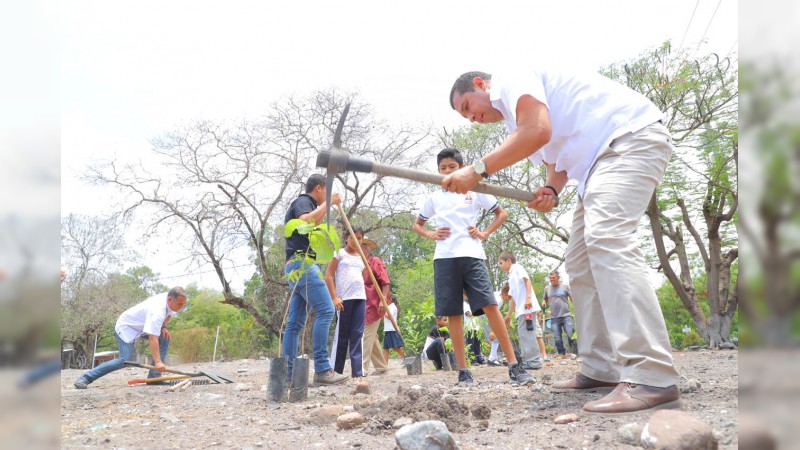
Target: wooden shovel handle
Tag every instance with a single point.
(157, 379)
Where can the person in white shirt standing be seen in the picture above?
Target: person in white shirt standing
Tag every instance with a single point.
(523, 305)
(148, 318)
(459, 264)
(611, 140)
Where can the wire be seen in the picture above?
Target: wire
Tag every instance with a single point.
(699, 42)
(688, 25)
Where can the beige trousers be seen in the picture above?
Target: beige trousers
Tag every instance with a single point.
(622, 336)
(372, 349)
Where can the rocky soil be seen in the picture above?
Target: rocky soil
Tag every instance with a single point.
(492, 414)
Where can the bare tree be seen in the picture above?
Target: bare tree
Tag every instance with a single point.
(93, 248)
(227, 186)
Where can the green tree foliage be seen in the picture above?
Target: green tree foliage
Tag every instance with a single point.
(414, 289)
(695, 210)
(194, 330)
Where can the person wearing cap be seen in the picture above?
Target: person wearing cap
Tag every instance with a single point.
(375, 309)
(148, 318)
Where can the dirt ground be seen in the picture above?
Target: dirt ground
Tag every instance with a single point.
(492, 414)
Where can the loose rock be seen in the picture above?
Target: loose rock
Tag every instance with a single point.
(566, 418)
(243, 387)
(480, 411)
(630, 433)
(325, 414)
(676, 430)
(691, 385)
(362, 387)
(170, 418)
(427, 435)
(401, 422)
(349, 420)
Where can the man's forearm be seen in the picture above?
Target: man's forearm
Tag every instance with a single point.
(316, 214)
(556, 179)
(155, 349)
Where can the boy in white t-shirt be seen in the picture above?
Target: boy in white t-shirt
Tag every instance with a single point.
(524, 306)
(459, 263)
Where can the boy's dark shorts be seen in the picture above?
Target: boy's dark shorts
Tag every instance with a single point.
(453, 276)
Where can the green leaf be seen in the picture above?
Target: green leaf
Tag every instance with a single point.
(301, 226)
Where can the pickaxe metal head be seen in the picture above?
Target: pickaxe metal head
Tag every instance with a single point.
(333, 171)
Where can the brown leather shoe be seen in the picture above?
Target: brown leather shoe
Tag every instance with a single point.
(580, 383)
(629, 398)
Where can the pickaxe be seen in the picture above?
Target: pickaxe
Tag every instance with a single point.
(336, 160)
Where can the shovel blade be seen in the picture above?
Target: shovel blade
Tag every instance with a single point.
(278, 383)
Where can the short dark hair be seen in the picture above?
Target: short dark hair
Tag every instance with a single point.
(314, 181)
(450, 153)
(464, 84)
(508, 255)
(176, 293)
(555, 272)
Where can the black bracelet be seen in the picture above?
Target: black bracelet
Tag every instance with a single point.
(555, 192)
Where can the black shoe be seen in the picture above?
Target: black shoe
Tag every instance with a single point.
(494, 362)
(465, 378)
(518, 375)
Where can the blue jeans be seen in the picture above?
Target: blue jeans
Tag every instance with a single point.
(310, 291)
(126, 352)
(568, 326)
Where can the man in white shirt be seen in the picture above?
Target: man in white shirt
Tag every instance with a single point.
(523, 306)
(609, 139)
(148, 318)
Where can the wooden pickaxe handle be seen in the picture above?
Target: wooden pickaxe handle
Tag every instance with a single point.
(337, 160)
(435, 178)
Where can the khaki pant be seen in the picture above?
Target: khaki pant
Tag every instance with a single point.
(622, 334)
(372, 348)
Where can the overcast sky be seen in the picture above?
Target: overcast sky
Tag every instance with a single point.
(131, 71)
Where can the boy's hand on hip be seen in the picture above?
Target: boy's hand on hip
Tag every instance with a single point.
(440, 234)
(462, 180)
(475, 233)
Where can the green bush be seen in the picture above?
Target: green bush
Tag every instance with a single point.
(192, 345)
(693, 338)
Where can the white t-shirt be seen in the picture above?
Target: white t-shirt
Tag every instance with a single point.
(350, 276)
(457, 212)
(587, 112)
(471, 322)
(387, 324)
(146, 317)
(516, 289)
